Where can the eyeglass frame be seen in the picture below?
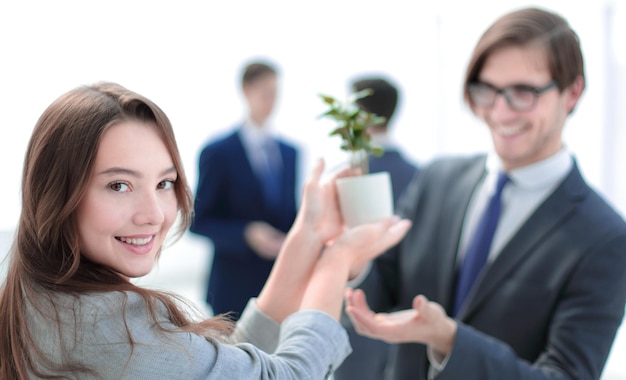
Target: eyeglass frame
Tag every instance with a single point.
(506, 93)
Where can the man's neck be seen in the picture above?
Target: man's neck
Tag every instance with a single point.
(258, 122)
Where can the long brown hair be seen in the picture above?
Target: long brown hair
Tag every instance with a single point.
(45, 258)
(531, 27)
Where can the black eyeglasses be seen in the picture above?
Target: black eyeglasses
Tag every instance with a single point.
(519, 97)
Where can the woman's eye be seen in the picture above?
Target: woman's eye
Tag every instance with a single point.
(119, 186)
(166, 185)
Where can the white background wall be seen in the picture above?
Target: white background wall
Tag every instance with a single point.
(186, 56)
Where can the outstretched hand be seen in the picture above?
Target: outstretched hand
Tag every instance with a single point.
(425, 323)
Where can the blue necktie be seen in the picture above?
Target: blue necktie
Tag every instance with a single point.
(271, 176)
(478, 250)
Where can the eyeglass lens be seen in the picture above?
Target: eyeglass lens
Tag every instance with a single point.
(518, 97)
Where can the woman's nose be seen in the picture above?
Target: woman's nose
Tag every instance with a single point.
(149, 210)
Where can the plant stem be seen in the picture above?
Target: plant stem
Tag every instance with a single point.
(359, 160)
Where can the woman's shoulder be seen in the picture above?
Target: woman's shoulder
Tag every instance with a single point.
(99, 310)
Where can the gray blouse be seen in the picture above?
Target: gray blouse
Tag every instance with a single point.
(307, 345)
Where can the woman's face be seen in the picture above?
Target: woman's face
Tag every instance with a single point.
(130, 202)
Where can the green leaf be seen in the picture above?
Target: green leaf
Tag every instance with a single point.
(377, 151)
(360, 95)
(328, 99)
(333, 112)
(352, 122)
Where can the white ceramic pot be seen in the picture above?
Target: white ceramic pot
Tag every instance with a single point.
(366, 198)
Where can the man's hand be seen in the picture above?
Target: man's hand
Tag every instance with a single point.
(264, 239)
(425, 323)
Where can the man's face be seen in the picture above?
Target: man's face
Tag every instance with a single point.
(521, 138)
(261, 96)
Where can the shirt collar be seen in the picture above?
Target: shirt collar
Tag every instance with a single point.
(254, 134)
(540, 174)
(381, 139)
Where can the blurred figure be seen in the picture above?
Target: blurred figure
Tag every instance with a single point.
(383, 102)
(245, 198)
(369, 357)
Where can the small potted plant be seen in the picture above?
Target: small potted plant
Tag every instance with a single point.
(367, 197)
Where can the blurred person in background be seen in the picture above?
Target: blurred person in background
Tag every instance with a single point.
(245, 199)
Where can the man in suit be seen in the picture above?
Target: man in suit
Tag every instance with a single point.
(551, 292)
(368, 359)
(245, 198)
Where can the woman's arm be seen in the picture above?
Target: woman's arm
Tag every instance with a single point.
(305, 278)
(352, 249)
(318, 221)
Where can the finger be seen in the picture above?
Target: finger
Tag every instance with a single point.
(390, 221)
(317, 171)
(347, 295)
(359, 300)
(314, 178)
(346, 172)
(390, 231)
(381, 225)
(393, 224)
(355, 298)
(419, 301)
(396, 231)
(420, 304)
(359, 320)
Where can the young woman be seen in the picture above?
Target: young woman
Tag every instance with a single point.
(102, 185)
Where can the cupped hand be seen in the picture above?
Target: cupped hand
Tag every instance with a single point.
(425, 323)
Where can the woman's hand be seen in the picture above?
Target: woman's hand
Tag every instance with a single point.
(364, 242)
(320, 210)
(354, 246)
(318, 221)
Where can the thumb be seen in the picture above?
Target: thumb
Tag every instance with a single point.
(419, 302)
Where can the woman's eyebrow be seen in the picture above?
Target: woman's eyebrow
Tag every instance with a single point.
(134, 173)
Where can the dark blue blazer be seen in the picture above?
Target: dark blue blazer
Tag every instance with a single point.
(400, 170)
(548, 306)
(228, 197)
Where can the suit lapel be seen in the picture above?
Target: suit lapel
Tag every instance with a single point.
(454, 215)
(544, 221)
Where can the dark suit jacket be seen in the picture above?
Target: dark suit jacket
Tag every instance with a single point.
(548, 306)
(228, 197)
(400, 170)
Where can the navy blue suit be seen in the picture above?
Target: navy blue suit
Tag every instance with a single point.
(400, 170)
(229, 195)
(368, 360)
(549, 305)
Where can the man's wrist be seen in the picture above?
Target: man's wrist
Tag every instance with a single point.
(445, 336)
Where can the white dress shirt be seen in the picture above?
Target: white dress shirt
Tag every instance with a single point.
(529, 186)
(254, 138)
